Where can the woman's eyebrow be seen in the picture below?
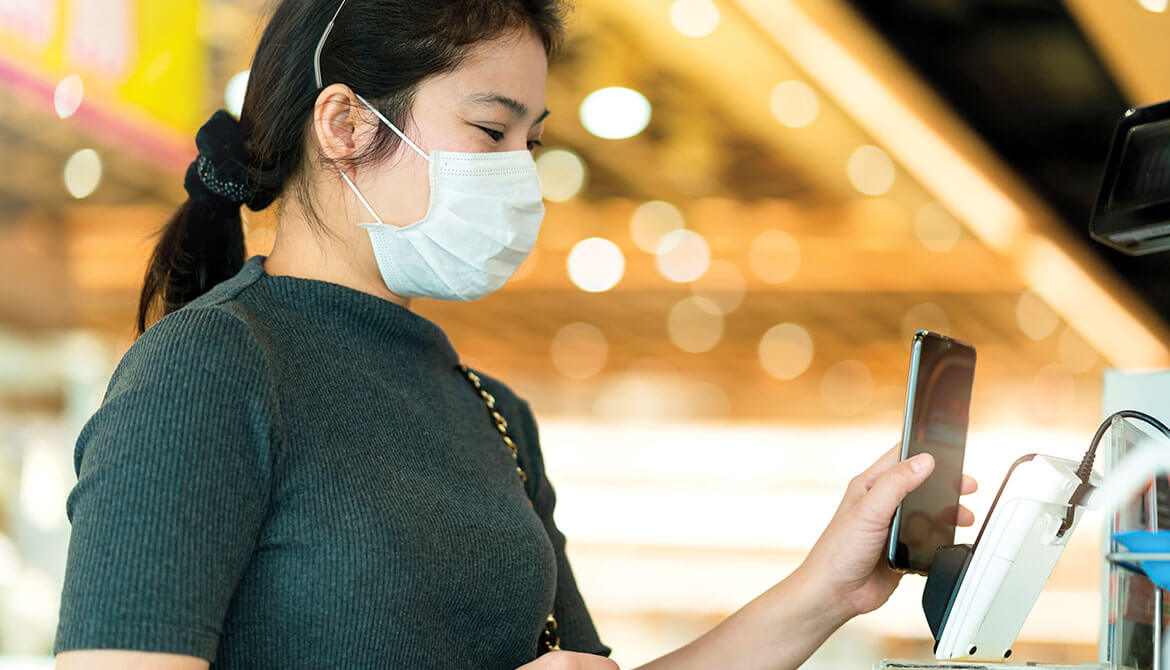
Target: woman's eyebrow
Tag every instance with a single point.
(519, 110)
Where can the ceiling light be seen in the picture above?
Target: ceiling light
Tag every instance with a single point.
(936, 229)
(67, 96)
(596, 264)
(694, 18)
(683, 256)
(579, 350)
(1036, 318)
(562, 174)
(786, 351)
(695, 324)
(722, 284)
(871, 170)
(794, 104)
(83, 173)
(652, 221)
(615, 113)
(233, 93)
(847, 387)
(926, 316)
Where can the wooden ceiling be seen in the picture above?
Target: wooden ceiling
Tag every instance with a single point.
(715, 151)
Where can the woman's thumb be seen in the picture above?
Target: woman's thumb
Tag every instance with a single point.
(893, 485)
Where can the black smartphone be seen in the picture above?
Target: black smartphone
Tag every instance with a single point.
(938, 401)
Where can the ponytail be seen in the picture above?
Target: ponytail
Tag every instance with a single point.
(203, 243)
(198, 248)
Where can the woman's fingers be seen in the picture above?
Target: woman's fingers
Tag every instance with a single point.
(957, 515)
(969, 485)
(891, 486)
(966, 516)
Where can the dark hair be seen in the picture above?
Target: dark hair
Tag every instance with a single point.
(382, 49)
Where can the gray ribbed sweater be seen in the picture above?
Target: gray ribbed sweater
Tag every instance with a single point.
(290, 473)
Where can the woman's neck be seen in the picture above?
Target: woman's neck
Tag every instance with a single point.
(297, 252)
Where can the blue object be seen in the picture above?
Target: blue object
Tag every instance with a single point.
(1149, 542)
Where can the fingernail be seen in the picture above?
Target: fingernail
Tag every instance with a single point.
(918, 463)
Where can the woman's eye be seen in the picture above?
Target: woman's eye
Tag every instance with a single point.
(497, 135)
(494, 134)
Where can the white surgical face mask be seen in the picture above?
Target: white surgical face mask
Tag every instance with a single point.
(484, 215)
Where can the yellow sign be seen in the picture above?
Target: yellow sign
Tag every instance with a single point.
(139, 57)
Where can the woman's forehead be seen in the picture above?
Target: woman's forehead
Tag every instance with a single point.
(488, 98)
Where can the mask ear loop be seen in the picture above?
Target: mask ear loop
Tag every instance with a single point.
(397, 132)
(317, 74)
(358, 193)
(393, 127)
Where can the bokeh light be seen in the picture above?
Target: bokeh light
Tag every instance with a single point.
(596, 264)
(871, 170)
(695, 324)
(1036, 318)
(233, 93)
(786, 351)
(652, 221)
(924, 316)
(683, 256)
(579, 350)
(847, 388)
(694, 18)
(794, 103)
(42, 488)
(936, 228)
(83, 173)
(68, 95)
(774, 256)
(615, 113)
(562, 174)
(1156, 6)
(722, 284)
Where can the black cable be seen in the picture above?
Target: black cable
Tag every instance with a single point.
(1085, 469)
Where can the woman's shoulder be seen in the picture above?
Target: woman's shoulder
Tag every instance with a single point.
(511, 404)
(214, 325)
(206, 343)
(518, 414)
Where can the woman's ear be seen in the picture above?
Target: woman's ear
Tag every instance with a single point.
(336, 126)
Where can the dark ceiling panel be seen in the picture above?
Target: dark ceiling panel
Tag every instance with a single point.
(1027, 80)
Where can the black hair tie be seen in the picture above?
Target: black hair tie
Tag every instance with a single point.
(217, 178)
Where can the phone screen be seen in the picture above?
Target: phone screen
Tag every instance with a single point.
(938, 400)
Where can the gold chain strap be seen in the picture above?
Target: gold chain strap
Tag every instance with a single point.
(549, 639)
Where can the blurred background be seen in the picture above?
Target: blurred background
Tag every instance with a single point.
(752, 205)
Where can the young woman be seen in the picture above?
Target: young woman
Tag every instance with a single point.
(292, 469)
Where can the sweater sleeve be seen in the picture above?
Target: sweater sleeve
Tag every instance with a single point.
(173, 476)
(574, 624)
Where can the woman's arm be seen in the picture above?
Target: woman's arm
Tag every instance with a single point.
(844, 575)
(173, 484)
(117, 659)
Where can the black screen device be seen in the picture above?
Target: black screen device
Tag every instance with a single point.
(938, 401)
(1132, 210)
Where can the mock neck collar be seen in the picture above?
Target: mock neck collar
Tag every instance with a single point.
(352, 312)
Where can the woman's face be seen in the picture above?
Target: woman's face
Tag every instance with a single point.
(493, 102)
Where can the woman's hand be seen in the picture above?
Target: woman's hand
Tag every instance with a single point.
(845, 574)
(848, 563)
(570, 660)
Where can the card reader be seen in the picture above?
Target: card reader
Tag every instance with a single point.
(977, 597)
